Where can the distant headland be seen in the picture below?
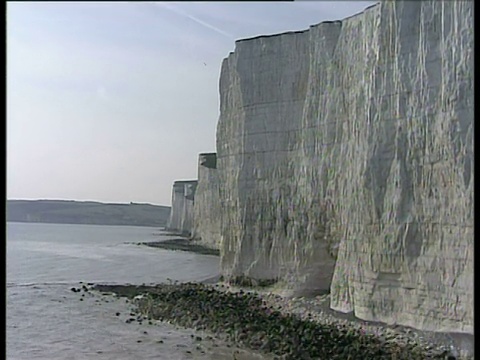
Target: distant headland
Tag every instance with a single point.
(86, 212)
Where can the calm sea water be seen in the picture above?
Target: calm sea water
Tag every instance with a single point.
(46, 320)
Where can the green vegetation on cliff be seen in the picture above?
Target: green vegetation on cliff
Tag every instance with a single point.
(86, 212)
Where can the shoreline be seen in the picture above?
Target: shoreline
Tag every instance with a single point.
(455, 345)
(170, 233)
(297, 328)
(181, 244)
(151, 338)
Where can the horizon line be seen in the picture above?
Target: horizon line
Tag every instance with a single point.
(95, 201)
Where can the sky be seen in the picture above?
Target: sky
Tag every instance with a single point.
(113, 101)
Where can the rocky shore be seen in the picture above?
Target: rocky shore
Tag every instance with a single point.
(286, 328)
(450, 346)
(182, 245)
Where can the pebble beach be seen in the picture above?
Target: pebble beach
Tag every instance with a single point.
(280, 327)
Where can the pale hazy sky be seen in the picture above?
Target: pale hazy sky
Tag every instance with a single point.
(114, 101)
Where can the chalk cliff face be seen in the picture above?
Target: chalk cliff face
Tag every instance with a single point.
(345, 158)
(181, 215)
(207, 207)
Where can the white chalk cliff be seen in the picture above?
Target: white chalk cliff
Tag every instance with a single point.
(345, 162)
(181, 214)
(207, 211)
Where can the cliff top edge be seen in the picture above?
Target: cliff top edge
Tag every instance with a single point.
(179, 182)
(306, 30)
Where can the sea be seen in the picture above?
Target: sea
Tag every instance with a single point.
(45, 319)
